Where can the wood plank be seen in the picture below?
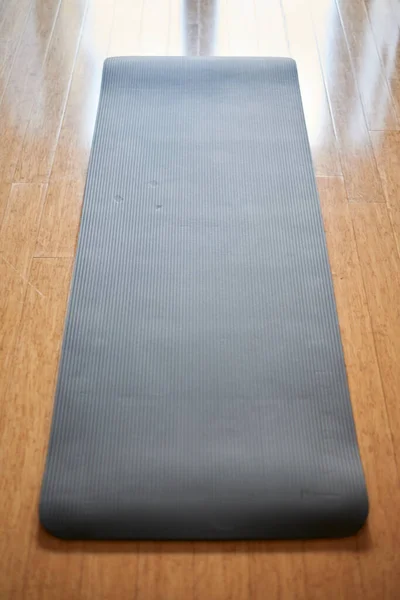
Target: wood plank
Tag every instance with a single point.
(387, 153)
(380, 264)
(109, 571)
(386, 32)
(30, 335)
(5, 189)
(376, 543)
(394, 85)
(13, 17)
(277, 571)
(358, 163)
(270, 24)
(58, 234)
(52, 567)
(332, 570)
(73, 148)
(20, 225)
(24, 85)
(221, 571)
(317, 113)
(165, 571)
(24, 436)
(40, 140)
(375, 95)
(12, 291)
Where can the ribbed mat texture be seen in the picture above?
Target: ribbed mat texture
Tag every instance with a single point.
(202, 391)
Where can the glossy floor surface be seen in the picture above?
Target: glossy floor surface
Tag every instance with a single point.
(51, 55)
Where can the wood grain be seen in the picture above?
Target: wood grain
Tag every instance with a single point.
(24, 434)
(73, 148)
(59, 228)
(24, 86)
(277, 568)
(165, 571)
(13, 18)
(374, 91)
(52, 567)
(358, 163)
(51, 55)
(20, 225)
(40, 141)
(324, 560)
(12, 291)
(376, 543)
(394, 85)
(109, 571)
(387, 152)
(380, 265)
(221, 571)
(316, 107)
(384, 19)
(5, 189)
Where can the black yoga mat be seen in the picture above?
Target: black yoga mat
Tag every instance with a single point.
(202, 390)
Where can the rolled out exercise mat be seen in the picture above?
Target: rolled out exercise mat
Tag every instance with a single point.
(202, 390)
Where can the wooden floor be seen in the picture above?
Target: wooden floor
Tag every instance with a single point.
(51, 55)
